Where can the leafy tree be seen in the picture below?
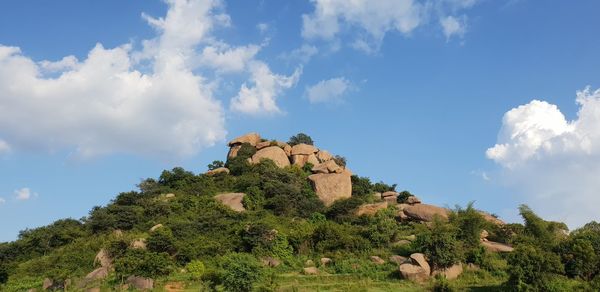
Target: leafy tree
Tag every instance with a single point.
(580, 258)
(544, 232)
(440, 245)
(3, 274)
(240, 272)
(143, 263)
(161, 240)
(300, 138)
(216, 164)
(532, 268)
(470, 224)
(382, 228)
(403, 196)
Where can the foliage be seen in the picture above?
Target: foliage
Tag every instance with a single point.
(300, 138)
(469, 223)
(196, 269)
(340, 160)
(140, 262)
(161, 240)
(240, 272)
(441, 284)
(216, 164)
(532, 268)
(440, 244)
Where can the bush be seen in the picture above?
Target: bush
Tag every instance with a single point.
(143, 263)
(300, 138)
(196, 269)
(440, 245)
(216, 164)
(469, 223)
(532, 268)
(3, 274)
(240, 272)
(441, 284)
(161, 240)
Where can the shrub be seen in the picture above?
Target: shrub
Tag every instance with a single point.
(3, 274)
(300, 138)
(382, 228)
(196, 269)
(216, 164)
(161, 240)
(340, 160)
(579, 258)
(240, 272)
(532, 268)
(403, 196)
(440, 245)
(143, 263)
(441, 284)
(469, 223)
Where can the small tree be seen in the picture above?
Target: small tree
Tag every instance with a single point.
(440, 245)
(300, 138)
(216, 164)
(532, 268)
(161, 240)
(240, 272)
(196, 269)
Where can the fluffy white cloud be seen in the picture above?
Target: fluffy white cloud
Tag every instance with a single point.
(376, 18)
(554, 163)
(331, 90)
(24, 194)
(453, 26)
(120, 100)
(303, 54)
(260, 98)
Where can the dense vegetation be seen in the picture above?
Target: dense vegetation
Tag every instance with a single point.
(206, 244)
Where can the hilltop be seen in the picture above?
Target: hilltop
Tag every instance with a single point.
(289, 216)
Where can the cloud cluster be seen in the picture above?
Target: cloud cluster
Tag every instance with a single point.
(331, 90)
(553, 162)
(376, 18)
(151, 101)
(24, 194)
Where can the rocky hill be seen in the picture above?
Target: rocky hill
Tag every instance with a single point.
(275, 214)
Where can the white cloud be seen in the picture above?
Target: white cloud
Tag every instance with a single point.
(554, 163)
(303, 54)
(106, 104)
(262, 27)
(453, 26)
(261, 97)
(24, 194)
(4, 147)
(2, 201)
(331, 90)
(373, 19)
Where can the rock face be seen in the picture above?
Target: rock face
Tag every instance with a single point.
(262, 145)
(450, 273)
(377, 260)
(310, 271)
(398, 259)
(220, 170)
(413, 200)
(328, 166)
(417, 270)
(274, 153)
(97, 274)
(47, 284)
(491, 219)
(304, 149)
(325, 261)
(251, 138)
(103, 259)
(424, 212)
(139, 243)
(302, 159)
(232, 200)
(331, 187)
(371, 209)
(233, 151)
(496, 246)
(140, 283)
(324, 155)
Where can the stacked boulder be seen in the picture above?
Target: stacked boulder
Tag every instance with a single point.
(330, 181)
(493, 246)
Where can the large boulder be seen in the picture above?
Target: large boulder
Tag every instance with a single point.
(301, 159)
(419, 259)
(371, 209)
(97, 274)
(310, 271)
(47, 284)
(232, 200)
(250, 138)
(411, 200)
(496, 246)
(140, 283)
(220, 170)
(233, 151)
(304, 149)
(489, 218)
(324, 155)
(103, 259)
(413, 272)
(263, 144)
(397, 259)
(138, 244)
(450, 273)
(331, 187)
(328, 166)
(377, 260)
(424, 212)
(274, 153)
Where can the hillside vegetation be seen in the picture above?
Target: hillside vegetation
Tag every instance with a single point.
(281, 216)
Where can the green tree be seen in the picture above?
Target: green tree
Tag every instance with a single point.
(240, 272)
(469, 223)
(196, 269)
(161, 240)
(532, 268)
(300, 138)
(216, 164)
(440, 245)
(140, 262)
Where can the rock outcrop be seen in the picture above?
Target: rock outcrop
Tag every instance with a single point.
(97, 274)
(103, 259)
(232, 200)
(496, 246)
(417, 269)
(220, 170)
(250, 138)
(371, 209)
(450, 273)
(424, 212)
(331, 187)
(273, 153)
(140, 283)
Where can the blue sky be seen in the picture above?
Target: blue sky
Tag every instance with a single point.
(435, 96)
